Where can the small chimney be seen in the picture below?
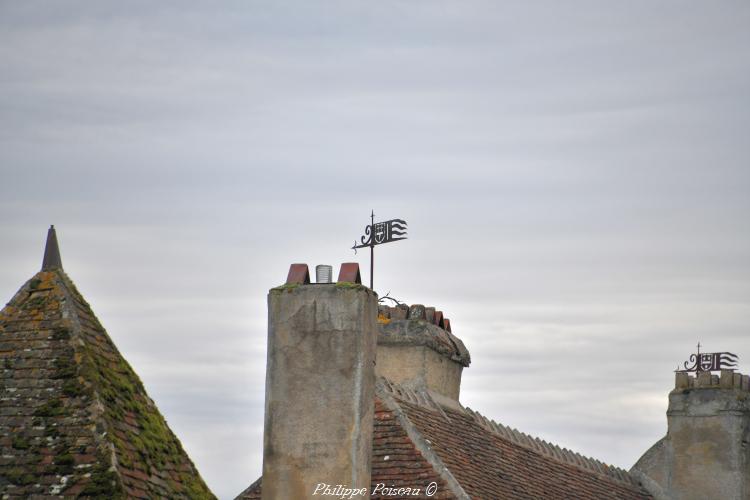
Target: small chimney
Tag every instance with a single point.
(705, 453)
(320, 380)
(417, 349)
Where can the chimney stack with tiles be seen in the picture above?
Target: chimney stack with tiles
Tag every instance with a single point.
(417, 349)
(320, 379)
(705, 453)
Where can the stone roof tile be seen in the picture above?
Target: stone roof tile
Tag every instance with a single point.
(74, 417)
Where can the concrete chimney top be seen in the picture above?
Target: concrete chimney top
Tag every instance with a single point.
(704, 454)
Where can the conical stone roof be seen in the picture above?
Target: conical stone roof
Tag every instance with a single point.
(75, 419)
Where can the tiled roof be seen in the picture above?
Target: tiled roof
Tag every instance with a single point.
(468, 456)
(490, 461)
(74, 417)
(396, 461)
(252, 492)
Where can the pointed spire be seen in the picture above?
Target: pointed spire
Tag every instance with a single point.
(51, 252)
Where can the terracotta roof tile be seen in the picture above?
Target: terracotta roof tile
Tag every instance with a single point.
(396, 461)
(490, 465)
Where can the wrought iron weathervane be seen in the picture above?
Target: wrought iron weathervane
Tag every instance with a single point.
(709, 362)
(379, 233)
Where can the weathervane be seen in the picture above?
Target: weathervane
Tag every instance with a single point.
(377, 234)
(709, 362)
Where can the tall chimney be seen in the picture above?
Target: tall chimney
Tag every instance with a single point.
(320, 379)
(705, 453)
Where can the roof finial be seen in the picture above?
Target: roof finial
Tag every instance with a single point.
(52, 258)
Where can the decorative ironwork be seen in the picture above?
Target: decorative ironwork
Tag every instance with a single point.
(709, 362)
(379, 233)
(384, 232)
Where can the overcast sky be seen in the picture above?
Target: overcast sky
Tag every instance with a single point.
(575, 175)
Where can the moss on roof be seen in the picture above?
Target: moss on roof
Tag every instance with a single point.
(75, 418)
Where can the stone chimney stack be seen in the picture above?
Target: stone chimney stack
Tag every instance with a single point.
(705, 453)
(417, 349)
(320, 379)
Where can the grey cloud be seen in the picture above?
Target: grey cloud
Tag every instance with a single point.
(575, 180)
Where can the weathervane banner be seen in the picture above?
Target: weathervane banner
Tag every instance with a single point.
(710, 362)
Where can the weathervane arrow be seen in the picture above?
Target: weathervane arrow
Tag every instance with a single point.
(379, 233)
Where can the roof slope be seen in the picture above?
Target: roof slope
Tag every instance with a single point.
(396, 460)
(491, 461)
(468, 456)
(74, 417)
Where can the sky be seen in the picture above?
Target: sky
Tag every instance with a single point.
(575, 176)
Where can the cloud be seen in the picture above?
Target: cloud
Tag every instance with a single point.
(575, 181)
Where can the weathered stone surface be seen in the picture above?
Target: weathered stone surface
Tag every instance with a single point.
(727, 379)
(419, 354)
(682, 380)
(703, 379)
(319, 389)
(421, 333)
(416, 311)
(704, 454)
(401, 311)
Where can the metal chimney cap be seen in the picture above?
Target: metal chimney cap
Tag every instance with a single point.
(323, 273)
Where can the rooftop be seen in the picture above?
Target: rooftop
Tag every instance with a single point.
(75, 419)
(417, 441)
